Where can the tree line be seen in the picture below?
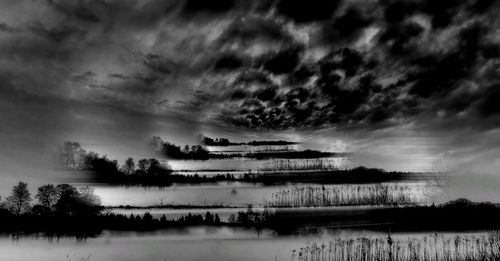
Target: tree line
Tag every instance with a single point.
(152, 172)
(195, 152)
(198, 152)
(248, 218)
(62, 200)
(226, 142)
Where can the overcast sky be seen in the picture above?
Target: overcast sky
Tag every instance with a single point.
(411, 85)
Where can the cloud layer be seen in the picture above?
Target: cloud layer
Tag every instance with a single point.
(261, 65)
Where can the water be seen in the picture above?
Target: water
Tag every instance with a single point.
(221, 194)
(230, 194)
(196, 243)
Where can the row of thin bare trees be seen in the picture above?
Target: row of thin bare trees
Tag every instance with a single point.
(351, 195)
(300, 164)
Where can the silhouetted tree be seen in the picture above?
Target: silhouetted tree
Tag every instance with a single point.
(209, 218)
(39, 210)
(47, 195)
(67, 196)
(147, 217)
(19, 201)
(155, 168)
(217, 219)
(88, 159)
(72, 203)
(143, 166)
(129, 166)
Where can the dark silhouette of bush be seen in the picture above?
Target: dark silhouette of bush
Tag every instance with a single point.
(171, 150)
(101, 166)
(72, 202)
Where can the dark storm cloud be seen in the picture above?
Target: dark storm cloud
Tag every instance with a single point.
(282, 62)
(301, 11)
(263, 64)
(424, 60)
(193, 7)
(228, 62)
(348, 25)
(398, 38)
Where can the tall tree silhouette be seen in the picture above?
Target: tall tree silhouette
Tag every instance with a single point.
(19, 201)
(143, 166)
(129, 166)
(47, 195)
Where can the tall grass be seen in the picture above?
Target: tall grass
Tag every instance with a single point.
(300, 164)
(428, 248)
(351, 195)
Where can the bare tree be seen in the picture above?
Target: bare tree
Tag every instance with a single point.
(19, 201)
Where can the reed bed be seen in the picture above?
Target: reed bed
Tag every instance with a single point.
(429, 248)
(300, 164)
(274, 148)
(351, 195)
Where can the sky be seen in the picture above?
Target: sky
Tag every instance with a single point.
(407, 85)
